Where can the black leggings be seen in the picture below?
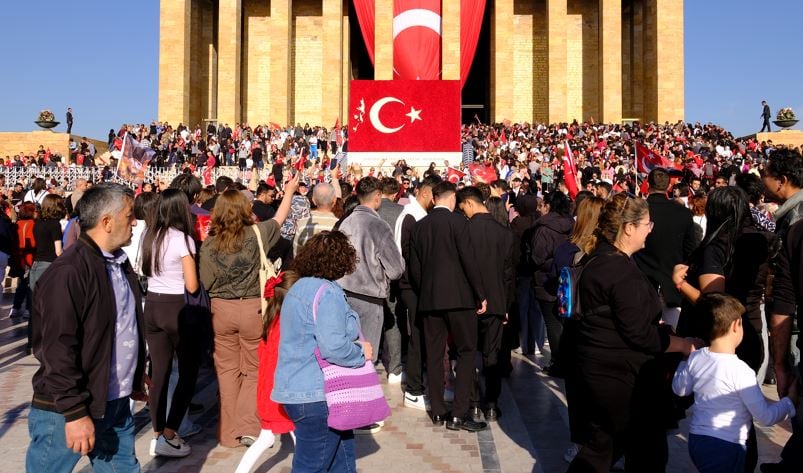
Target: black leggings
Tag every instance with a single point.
(171, 328)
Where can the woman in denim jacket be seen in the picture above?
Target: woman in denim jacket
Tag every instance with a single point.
(298, 382)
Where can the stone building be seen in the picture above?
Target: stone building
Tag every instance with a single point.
(290, 61)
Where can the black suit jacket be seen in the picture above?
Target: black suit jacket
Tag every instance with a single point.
(442, 269)
(765, 114)
(492, 246)
(671, 242)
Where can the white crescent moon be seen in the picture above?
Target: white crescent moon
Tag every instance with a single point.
(416, 17)
(374, 115)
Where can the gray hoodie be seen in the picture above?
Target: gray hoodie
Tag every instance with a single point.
(380, 260)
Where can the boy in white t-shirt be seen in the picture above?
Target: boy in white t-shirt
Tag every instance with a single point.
(726, 394)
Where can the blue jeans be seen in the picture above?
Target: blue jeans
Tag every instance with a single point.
(114, 442)
(319, 448)
(713, 455)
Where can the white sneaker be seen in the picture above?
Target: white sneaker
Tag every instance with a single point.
(570, 453)
(419, 402)
(175, 448)
(394, 378)
(448, 395)
(152, 448)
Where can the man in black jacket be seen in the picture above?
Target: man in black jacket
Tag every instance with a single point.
(88, 339)
(492, 249)
(445, 276)
(671, 242)
(783, 179)
(765, 116)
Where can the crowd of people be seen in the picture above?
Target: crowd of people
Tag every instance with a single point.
(636, 284)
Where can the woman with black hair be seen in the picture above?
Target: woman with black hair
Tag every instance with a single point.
(551, 231)
(733, 258)
(168, 260)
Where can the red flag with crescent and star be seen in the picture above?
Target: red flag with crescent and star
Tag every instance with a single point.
(404, 116)
(647, 159)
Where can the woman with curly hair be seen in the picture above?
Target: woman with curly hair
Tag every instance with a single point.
(230, 263)
(298, 382)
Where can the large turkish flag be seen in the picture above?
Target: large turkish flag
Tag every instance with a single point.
(417, 39)
(404, 115)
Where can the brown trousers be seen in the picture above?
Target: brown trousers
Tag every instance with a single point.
(238, 328)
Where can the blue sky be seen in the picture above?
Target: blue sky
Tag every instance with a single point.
(102, 58)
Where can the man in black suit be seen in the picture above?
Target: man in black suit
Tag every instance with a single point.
(765, 114)
(446, 278)
(492, 249)
(69, 120)
(671, 242)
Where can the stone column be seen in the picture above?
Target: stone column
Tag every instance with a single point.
(669, 60)
(332, 61)
(610, 50)
(450, 40)
(175, 18)
(281, 19)
(502, 61)
(229, 61)
(556, 26)
(383, 40)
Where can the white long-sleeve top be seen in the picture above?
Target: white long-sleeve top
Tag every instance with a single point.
(726, 396)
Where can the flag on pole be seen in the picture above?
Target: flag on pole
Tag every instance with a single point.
(647, 159)
(482, 173)
(300, 163)
(338, 134)
(569, 171)
(134, 159)
(454, 176)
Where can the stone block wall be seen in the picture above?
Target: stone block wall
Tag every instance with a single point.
(551, 60)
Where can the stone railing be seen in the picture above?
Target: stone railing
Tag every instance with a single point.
(93, 174)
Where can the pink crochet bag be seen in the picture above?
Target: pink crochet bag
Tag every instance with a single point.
(353, 395)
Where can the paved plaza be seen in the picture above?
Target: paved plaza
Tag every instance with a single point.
(531, 435)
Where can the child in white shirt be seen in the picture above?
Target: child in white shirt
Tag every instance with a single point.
(726, 394)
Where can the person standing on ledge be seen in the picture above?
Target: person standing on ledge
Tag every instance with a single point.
(69, 120)
(765, 114)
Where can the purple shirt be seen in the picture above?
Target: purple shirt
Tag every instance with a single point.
(125, 349)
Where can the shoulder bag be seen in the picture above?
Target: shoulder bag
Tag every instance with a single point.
(353, 395)
(266, 270)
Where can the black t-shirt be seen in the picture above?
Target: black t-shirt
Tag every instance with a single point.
(263, 211)
(745, 272)
(46, 232)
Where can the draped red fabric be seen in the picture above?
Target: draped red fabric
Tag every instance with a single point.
(471, 12)
(417, 39)
(365, 16)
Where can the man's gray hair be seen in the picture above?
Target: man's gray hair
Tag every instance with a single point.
(323, 195)
(102, 199)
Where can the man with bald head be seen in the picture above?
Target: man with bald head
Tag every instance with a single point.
(321, 219)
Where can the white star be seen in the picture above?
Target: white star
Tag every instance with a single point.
(414, 114)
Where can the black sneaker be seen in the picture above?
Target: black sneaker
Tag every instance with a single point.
(467, 424)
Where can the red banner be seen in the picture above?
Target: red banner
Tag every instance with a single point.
(471, 12)
(417, 39)
(404, 115)
(366, 17)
